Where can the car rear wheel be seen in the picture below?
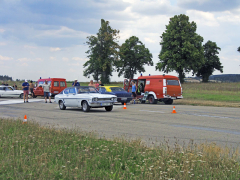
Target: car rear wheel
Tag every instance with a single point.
(109, 108)
(85, 106)
(151, 99)
(169, 101)
(21, 96)
(61, 105)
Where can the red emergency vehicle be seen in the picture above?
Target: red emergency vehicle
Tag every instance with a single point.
(57, 85)
(154, 88)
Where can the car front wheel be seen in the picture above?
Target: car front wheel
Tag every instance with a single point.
(61, 105)
(85, 106)
(109, 108)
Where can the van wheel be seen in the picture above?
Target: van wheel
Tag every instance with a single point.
(109, 108)
(85, 106)
(169, 101)
(61, 105)
(151, 99)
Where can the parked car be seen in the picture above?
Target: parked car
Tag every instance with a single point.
(122, 95)
(86, 97)
(9, 91)
(165, 88)
(57, 85)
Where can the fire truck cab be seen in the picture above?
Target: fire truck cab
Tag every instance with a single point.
(154, 88)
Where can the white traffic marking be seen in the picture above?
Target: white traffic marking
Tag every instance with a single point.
(18, 101)
(152, 111)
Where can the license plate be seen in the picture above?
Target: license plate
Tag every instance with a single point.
(55, 91)
(173, 98)
(105, 104)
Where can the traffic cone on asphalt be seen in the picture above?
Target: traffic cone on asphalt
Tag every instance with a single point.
(174, 111)
(124, 107)
(25, 119)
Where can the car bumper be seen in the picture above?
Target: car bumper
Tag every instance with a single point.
(101, 104)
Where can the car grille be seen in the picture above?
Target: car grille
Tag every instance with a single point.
(104, 99)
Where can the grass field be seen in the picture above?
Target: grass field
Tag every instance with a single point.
(29, 151)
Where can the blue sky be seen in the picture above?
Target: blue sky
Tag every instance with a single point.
(45, 38)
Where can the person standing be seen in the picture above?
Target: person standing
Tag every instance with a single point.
(134, 89)
(91, 83)
(46, 90)
(100, 83)
(75, 83)
(25, 87)
(15, 86)
(31, 88)
(96, 85)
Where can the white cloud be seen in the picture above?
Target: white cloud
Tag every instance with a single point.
(79, 59)
(229, 17)
(5, 58)
(29, 47)
(149, 40)
(2, 30)
(53, 58)
(3, 44)
(65, 59)
(24, 59)
(24, 64)
(202, 18)
(55, 49)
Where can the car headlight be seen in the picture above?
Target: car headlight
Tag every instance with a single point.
(94, 99)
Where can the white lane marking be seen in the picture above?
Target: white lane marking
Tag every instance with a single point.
(152, 111)
(19, 101)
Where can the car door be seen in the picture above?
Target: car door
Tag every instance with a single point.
(72, 98)
(9, 92)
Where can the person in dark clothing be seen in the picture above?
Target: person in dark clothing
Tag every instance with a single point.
(75, 83)
(25, 87)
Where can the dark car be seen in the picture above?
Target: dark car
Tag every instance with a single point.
(122, 95)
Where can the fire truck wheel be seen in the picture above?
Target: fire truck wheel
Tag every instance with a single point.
(169, 101)
(151, 99)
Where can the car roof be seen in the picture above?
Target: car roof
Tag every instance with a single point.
(4, 86)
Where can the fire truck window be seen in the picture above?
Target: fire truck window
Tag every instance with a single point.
(55, 83)
(62, 84)
(173, 82)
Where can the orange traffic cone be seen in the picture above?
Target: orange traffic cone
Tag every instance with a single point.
(174, 111)
(25, 119)
(124, 107)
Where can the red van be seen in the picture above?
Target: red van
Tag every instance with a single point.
(163, 88)
(57, 85)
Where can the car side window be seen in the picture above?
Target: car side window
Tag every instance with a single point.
(72, 91)
(1, 88)
(102, 89)
(66, 91)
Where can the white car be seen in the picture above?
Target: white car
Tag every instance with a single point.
(9, 91)
(86, 97)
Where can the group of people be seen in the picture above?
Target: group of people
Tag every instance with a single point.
(29, 86)
(96, 84)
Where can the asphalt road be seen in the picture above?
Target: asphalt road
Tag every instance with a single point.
(152, 123)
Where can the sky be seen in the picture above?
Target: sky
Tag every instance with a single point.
(46, 38)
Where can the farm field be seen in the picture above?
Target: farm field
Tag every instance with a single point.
(30, 151)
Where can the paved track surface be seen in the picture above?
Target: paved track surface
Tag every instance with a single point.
(151, 123)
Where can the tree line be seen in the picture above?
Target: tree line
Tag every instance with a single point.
(5, 78)
(181, 51)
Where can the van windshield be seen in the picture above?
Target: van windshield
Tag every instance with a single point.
(173, 82)
(41, 82)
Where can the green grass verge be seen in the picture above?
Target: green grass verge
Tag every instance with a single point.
(29, 151)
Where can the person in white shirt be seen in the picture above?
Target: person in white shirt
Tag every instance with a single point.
(46, 89)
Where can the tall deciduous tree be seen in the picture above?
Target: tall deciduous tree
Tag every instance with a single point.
(238, 49)
(211, 59)
(133, 56)
(181, 47)
(103, 51)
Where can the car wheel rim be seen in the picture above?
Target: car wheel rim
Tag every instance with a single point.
(61, 104)
(84, 106)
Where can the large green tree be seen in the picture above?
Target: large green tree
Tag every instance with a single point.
(238, 49)
(181, 47)
(211, 61)
(133, 56)
(103, 51)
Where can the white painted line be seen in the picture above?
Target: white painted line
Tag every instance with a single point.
(19, 101)
(152, 111)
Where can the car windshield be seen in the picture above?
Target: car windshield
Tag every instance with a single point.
(102, 89)
(89, 89)
(117, 89)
